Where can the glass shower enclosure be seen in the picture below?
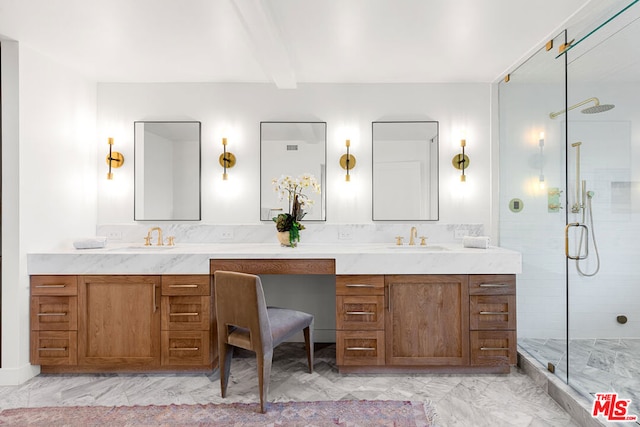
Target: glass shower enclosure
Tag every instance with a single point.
(570, 201)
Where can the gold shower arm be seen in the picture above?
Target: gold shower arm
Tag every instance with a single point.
(596, 100)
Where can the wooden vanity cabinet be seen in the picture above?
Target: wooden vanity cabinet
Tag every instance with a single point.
(186, 321)
(54, 320)
(119, 322)
(428, 323)
(360, 320)
(427, 320)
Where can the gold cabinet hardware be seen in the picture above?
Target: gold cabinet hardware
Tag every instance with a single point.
(184, 314)
(363, 313)
(361, 348)
(52, 314)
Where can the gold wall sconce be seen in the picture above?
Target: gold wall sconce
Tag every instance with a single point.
(114, 159)
(461, 161)
(348, 161)
(227, 159)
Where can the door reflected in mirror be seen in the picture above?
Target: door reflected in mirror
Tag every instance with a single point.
(405, 171)
(167, 171)
(292, 149)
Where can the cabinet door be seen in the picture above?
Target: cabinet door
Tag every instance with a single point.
(119, 321)
(427, 321)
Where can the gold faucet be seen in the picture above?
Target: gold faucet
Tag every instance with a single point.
(412, 236)
(148, 238)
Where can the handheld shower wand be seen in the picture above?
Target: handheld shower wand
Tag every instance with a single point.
(578, 203)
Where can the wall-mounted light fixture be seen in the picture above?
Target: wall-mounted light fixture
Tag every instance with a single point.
(114, 159)
(461, 161)
(348, 161)
(227, 159)
(541, 145)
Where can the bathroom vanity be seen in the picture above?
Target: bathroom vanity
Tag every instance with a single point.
(438, 309)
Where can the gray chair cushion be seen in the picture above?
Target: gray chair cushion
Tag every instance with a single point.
(285, 323)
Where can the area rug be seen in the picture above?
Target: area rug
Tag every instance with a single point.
(291, 414)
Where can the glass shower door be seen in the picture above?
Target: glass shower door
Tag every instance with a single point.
(603, 146)
(532, 194)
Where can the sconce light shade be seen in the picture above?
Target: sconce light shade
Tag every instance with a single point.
(347, 161)
(114, 159)
(227, 160)
(461, 161)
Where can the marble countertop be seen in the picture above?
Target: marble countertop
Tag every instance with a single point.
(369, 258)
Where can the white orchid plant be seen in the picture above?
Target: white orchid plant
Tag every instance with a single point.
(293, 189)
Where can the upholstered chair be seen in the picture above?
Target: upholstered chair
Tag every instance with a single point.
(245, 321)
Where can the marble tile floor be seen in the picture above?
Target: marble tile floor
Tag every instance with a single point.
(595, 365)
(460, 400)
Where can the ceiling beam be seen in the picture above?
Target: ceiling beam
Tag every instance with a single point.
(266, 41)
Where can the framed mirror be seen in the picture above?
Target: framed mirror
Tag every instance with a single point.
(405, 171)
(167, 171)
(292, 149)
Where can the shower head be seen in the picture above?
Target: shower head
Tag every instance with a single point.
(597, 108)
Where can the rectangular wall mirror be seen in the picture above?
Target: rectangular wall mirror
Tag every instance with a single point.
(405, 171)
(167, 171)
(293, 149)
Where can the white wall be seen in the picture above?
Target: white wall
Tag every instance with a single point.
(49, 181)
(235, 111)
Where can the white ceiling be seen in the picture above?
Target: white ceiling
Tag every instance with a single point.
(286, 41)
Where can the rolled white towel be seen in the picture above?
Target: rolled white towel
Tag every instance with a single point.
(90, 243)
(481, 242)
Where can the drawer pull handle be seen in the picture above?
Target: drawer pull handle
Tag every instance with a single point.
(184, 349)
(494, 285)
(494, 312)
(52, 314)
(183, 286)
(361, 348)
(51, 286)
(361, 312)
(184, 314)
(52, 348)
(359, 285)
(493, 348)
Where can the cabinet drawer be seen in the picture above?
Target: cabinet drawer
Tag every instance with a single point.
(364, 348)
(54, 313)
(188, 348)
(492, 312)
(54, 348)
(359, 285)
(186, 284)
(492, 284)
(493, 348)
(186, 313)
(360, 312)
(54, 285)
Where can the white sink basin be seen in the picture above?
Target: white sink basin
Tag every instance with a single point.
(426, 248)
(145, 248)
